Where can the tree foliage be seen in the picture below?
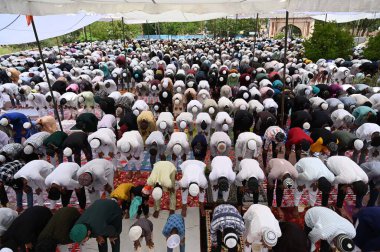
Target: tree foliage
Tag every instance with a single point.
(329, 41)
(372, 52)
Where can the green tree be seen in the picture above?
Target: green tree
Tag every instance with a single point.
(372, 52)
(329, 41)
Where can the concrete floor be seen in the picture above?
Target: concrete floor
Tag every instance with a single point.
(192, 233)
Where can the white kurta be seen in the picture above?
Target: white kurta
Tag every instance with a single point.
(219, 137)
(345, 170)
(310, 169)
(249, 168)
(326, 225)
(259, 218)
(193, 171)
(64, 175)
(221, 167)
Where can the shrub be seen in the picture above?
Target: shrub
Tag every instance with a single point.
(372, 52)
(329, 42)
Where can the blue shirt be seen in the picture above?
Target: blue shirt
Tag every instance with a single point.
(174, 221)
(368, 231)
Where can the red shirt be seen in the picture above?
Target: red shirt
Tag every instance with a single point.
(296, 135)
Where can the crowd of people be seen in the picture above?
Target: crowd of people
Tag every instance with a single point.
(222, 113)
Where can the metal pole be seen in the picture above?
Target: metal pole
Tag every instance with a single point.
(284, 77)
(122, 26)
(89, 28)
(236, 25)
(148, 31)
(255, 38)
(159, 32)
(47, 75)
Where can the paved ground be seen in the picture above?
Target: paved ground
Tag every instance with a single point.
(192, 233)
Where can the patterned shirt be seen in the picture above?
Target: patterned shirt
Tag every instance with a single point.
(174, 221)
(226, 216)
(270, 136)
(11, 149)
(8, 170)
(37, 139)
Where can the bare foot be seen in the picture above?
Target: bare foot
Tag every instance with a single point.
(155, 214)
(184, 211)
(281, 214)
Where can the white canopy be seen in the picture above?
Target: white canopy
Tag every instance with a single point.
(44, 7)
(139, 17)
(14, 29)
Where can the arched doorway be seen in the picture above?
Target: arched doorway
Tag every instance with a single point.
(293, 31)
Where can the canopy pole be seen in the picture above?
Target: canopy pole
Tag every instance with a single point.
(47, 75)
(89, 28)
(159, 32)
(148, 31)
(284, 77)
(122, 26)
(85, 33)
(236, 24)
(255, 37)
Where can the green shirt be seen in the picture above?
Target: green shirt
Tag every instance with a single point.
(59, 226)
(56, 139)
(104, 217)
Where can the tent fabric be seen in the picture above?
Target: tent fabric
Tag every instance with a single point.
(139, 17)
(44, 7)
(14, 29)
(339, 17)
(345, 17)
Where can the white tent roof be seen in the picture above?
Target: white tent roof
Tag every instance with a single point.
(139, 17)
(49, 7)
(14, 29)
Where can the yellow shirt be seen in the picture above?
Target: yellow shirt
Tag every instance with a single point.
(163, 173)
(122, 191)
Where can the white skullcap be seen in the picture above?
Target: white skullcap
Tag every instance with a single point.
(163, 125)
(27, 125)
(358, 144)
(81, 99)
(177, 149)
(135, 233)
(67, 152)
(230, 240)
(211, 110)
(28, 149)
(340, 106)
(182, 124)
(95, 143)
(125, 147)
(4, 122)
(306, 125)
(324, 106)
(194, 189)
(30, 97)
(157, 193)
(251, 144)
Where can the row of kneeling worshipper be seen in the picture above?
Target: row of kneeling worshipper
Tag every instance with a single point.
(37, 229)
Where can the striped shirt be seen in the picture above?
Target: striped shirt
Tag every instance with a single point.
(326, 225)
(226, 216)
(37, 140)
